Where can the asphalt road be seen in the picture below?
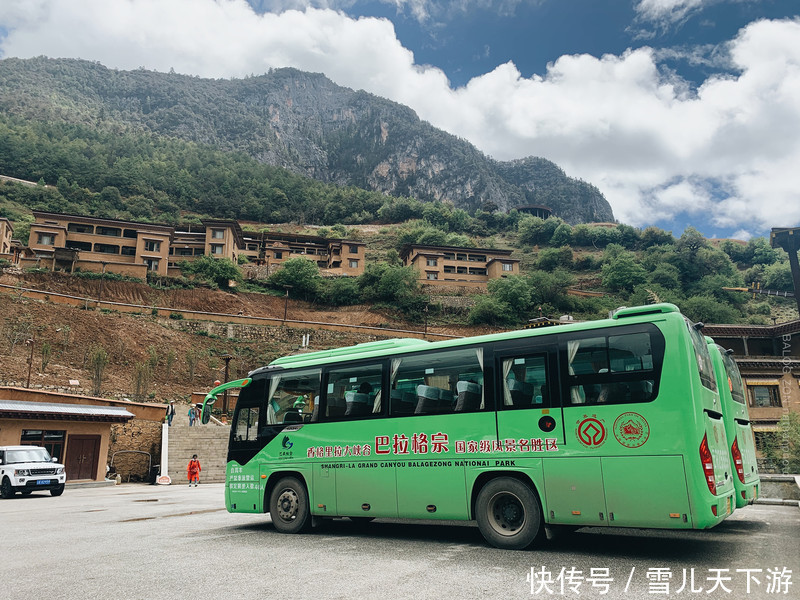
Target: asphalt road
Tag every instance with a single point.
(152, 542)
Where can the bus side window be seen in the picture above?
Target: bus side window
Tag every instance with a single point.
(354, 392)
(614, 369)
(449, 381)
(293, 396)
(525, 382)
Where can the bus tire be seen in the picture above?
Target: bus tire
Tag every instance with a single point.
(288, 506)
(508, 514)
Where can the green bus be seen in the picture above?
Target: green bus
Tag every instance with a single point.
(738, 428)
(609, 423)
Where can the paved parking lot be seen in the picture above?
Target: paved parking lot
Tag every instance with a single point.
(139, 541)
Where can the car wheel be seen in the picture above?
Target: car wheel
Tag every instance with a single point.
(508, 514)
(6, 489)
(288, 506)
(57, 491)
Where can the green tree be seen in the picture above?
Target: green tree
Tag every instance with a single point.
(550, 259)
(514, 291)
(491, 311)
(219, 271)
(623, 273)
(98, 361)
(388, 283)
(708, 310)
(341, 291)
(301, 274)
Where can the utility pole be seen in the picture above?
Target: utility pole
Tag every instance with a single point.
(286, 303)
(227, 358)
(788, 238)
(31, 342)
(102, 279)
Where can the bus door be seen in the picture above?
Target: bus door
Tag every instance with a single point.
(350, 477)
(441, 421)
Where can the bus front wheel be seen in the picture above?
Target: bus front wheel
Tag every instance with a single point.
(288, 506)
(508, 514)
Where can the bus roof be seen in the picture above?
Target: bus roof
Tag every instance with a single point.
(386, 347)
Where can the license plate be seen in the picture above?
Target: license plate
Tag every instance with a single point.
(42, 482)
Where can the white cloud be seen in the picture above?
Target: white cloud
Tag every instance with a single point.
(668, 11)
(653, 147)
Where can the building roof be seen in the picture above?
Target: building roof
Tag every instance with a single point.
(168, 229)
(753, 331)
(18, 409)
(407, 249)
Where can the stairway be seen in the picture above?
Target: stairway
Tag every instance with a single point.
(209, 442)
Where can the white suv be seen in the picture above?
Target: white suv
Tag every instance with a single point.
(26, 469)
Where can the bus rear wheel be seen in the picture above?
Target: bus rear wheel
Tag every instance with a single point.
(288, 506)
(508, 514)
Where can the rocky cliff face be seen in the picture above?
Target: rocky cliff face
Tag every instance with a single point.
(303, 122)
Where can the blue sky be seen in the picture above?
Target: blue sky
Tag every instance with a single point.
(682, 112)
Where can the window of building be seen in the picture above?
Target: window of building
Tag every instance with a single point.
(198, 252)
(508, 267)
(184, 251)
(80, 228)
(52, 441)
(152, 264)
(353, 264)
(449, 269)
(279, 255)
(477, 271)
(152, 246)
(436, 383)
(431, 262)
(46, 239)
(128, 250)
(432, 276)
(477, 258)
(73, 245)
(764, 396)
(353, 249)
(460, 256)
(462, 270)
(218, 234)
(354, 392)
(106, 248)
(449, 256)
(217, 248)
(111, 231)
(252, 247)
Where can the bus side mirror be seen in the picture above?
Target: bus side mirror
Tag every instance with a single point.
(205, 417)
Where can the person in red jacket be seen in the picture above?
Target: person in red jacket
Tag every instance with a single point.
(193, 471)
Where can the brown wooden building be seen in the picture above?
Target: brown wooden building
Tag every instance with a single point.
(768, 357)
(439, 265)
(78, 429)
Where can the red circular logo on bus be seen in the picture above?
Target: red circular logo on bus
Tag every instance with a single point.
(631, 430)
(591, 432)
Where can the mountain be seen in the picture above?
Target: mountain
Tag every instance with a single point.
(302, 122)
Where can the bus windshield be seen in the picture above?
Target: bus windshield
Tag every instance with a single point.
(734, 377)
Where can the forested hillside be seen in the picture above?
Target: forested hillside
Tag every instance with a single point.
(173, 142)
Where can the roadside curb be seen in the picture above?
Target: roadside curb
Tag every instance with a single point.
(777, 502)
(90, 484)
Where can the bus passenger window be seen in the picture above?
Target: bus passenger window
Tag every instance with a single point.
(450, 381)
(525, 382)
(614, 369)
(354, 392)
